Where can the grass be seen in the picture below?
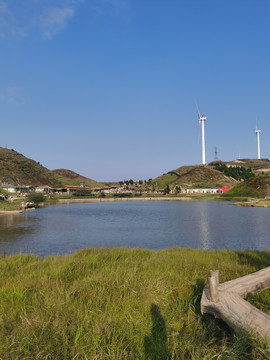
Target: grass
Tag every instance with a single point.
(76, 181)
(24, 170)
(196, 176)
(256, 187)
(8, 206)
(120, 304)
(143, 195)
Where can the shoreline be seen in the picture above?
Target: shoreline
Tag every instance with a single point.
(250, 203)
(8, 212)
(89, 200)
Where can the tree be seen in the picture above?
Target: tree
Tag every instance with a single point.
(36, 197)
(167, 190)
(83, 192)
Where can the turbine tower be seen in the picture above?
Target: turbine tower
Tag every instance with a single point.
(257, 132)
(202, 119)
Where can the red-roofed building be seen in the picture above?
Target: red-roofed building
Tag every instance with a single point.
(223, 189)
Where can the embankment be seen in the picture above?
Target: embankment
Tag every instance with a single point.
(94, 200)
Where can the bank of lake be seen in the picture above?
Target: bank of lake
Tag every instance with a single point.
(122, 304)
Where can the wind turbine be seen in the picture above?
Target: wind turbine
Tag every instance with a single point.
(257, 132)
(202, 119)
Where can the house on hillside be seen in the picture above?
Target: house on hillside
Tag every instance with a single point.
(223, 189)
(9, 188)
(15, 189)
(43, 189)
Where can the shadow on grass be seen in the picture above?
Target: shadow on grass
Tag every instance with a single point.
(215, 327)
(197, 295)
(155, 346)
(258, 259)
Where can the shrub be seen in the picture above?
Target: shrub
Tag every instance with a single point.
(122, 195)
(83, 193)
(167, 190)
(237, 172)
(36, 197)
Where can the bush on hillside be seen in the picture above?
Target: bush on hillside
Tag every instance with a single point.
(122, 195)
(166, 190)
(83, 193)
(36, 197)
(237, 172)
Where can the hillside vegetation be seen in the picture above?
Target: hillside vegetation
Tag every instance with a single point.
(256, 165)
(68, 177)
(237, 172)
(256, 187)
(197, 176)
(29, 172)
(24, 170)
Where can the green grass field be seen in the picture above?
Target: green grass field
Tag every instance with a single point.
(256, 187)
(121, 304)
(9, 206)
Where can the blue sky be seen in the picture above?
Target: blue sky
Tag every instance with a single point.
(107, 88)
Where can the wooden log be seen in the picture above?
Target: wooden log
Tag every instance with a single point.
(215, 273)
(249, 284)
(233, 309)
(213, 286)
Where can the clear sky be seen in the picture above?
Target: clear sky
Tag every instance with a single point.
(107, 88)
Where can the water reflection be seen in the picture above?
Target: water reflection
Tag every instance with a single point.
(204, 218)
(155, 225)
(13, 227)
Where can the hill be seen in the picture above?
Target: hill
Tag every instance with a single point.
(197, 176)
(68, 177)
(256, 187)
(258, 166)
(24, 170)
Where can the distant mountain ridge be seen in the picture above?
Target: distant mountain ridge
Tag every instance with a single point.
(29, 172)
(24, 170)
(69, 177)
(197, 176)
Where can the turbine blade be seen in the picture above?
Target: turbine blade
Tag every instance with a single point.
(198, 111)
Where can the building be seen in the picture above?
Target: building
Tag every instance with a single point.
(223, 189)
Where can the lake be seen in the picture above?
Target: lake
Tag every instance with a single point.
(62, 229)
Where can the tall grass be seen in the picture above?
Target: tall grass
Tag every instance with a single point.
(120, 304)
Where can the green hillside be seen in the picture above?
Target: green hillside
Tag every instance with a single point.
(25, 171)
(68, 177)
(258, 166)
(256, 187)
(29, 172)
(197, 176)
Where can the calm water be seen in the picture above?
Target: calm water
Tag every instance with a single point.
(155, 225)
